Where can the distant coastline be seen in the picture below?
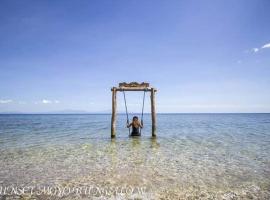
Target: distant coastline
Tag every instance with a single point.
(122, 113)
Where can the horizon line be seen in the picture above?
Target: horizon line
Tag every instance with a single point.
(98, 113)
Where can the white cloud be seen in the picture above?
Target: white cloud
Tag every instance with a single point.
(4, 101)
(255, 50)
(46, 101)
(239, 61)
(266, 46)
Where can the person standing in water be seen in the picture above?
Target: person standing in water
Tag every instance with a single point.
(136, 125)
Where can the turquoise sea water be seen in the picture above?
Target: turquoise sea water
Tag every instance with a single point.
(195, 156)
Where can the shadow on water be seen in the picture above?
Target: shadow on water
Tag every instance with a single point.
(154, 143)
(136, 142)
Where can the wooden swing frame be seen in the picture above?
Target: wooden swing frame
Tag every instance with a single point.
(133, 86)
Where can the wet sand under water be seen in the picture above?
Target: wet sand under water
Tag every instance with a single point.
(211, 162)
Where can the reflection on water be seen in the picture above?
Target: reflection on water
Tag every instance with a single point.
(196, 156)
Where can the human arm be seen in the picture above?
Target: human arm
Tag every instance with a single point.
(129, 125)
(141, 124)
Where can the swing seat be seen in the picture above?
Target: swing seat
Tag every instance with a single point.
(135, 134)
(139, 135)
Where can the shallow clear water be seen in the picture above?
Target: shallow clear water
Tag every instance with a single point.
(195, 156)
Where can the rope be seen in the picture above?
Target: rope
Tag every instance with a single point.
(142, 111)
(126, 111)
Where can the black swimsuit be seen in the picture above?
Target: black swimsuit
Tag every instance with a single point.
(135, 131)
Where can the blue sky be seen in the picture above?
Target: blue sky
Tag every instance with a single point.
(202, 56)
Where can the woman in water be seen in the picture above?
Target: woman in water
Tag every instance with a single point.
(136, 125)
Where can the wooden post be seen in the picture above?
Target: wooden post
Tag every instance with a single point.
(153, 112)
(114, 106)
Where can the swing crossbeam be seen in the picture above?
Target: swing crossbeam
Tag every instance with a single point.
(133, 86)
(118, 89)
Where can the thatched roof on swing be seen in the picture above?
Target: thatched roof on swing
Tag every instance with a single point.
(134, 85)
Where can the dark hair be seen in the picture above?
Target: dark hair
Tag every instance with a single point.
(135, 117)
